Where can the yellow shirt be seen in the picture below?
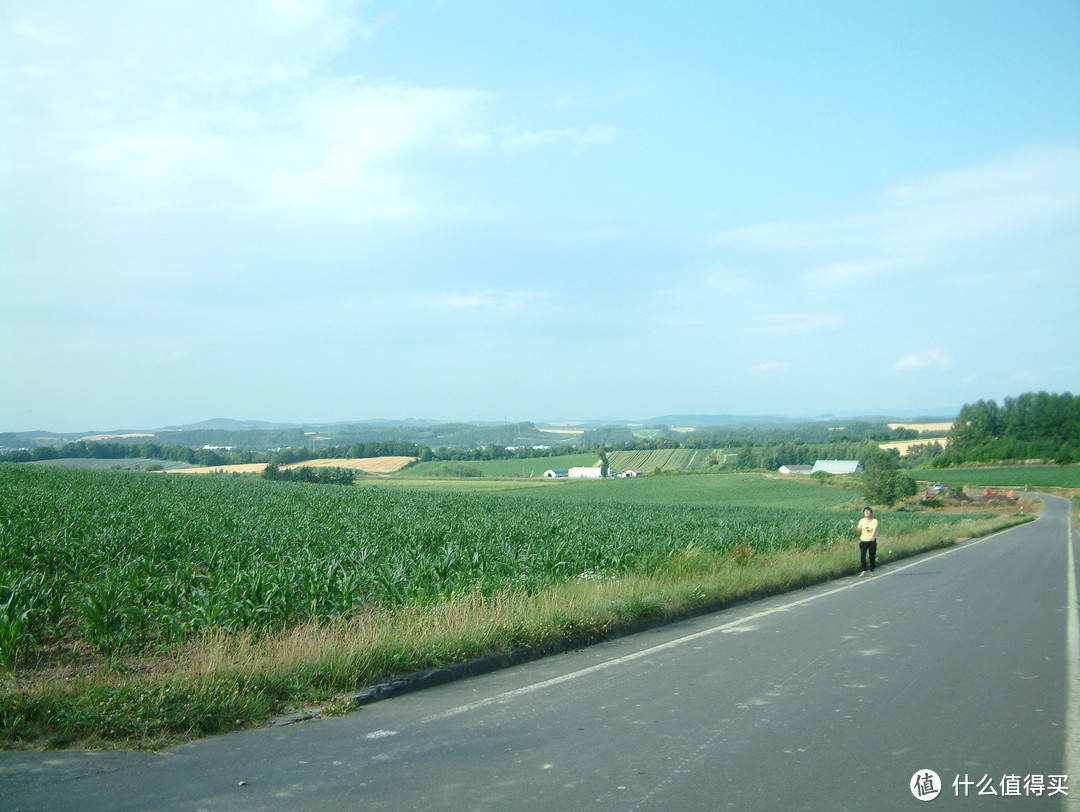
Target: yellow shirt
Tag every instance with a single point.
(868, 529)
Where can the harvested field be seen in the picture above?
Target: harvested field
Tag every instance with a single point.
(370, 465)
(904, 446)
(248, 468)
(922, 427)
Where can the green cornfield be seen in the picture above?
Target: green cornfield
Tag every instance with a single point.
(118, 562)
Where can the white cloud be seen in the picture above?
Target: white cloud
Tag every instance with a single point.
(930, 359)
(795, 324)
(233, 107)
(725, 280)
(502, 300)
(1033, 194)
(511, 138)
(842, 274)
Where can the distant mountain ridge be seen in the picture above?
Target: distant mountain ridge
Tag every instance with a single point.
(229, 424)
(226, 425)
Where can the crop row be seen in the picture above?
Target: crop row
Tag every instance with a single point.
(120, 561)
(668, 459)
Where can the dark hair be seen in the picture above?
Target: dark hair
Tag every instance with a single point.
(867, 508)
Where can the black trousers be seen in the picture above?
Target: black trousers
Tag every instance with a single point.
(864, 548)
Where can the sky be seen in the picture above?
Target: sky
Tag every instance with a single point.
(326, 210)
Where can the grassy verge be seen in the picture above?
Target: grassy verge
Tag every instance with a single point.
(225, 682)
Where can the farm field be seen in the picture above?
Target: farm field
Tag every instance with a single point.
(924, 428)
(667, 460)
(370, 465)
(529, 467)
(132, 464)
(118, 561)
(1033, 476)
(101, 567)
(724, 491)
(904, 446)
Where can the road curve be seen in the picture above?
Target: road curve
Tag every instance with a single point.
(960, 662)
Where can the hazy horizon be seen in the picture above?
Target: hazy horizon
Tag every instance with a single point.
(735, 419)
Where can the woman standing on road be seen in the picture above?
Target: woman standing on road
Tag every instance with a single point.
(867, 540)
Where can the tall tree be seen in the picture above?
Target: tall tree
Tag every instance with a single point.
(883, 482)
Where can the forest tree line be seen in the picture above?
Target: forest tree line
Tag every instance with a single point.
(1032, 426)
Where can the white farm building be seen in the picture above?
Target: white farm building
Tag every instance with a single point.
(837, 466)
(581, 472)
(796, 469)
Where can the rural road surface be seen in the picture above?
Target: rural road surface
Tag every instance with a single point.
(834, 698)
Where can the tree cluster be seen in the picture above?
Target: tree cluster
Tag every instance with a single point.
(883, 482)
(318, 476)
(1035, 425)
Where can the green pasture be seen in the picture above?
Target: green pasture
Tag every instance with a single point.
(133, 464)
(529, 467)
(704, 490)
(669, 460)
(1031, 476)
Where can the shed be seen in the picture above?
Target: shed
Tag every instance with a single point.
(556, 473)
(585, 473)
(796, 469)
(837, 466)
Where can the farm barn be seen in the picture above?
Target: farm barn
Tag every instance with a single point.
(796, 469)
(556, 473)
(585, 473)
(837, 466)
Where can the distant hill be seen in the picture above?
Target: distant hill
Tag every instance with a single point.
(708, 420)
(228, 424)
(223, 432)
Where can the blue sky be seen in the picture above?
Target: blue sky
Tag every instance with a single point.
(320, 211)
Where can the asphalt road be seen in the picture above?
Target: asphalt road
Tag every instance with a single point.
(833, 698)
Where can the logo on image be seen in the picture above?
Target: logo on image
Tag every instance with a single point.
(925, 785)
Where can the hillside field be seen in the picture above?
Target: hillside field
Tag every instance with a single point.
(667, 460)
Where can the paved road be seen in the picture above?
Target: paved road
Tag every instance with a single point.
(832, 698)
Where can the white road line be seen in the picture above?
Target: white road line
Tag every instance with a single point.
(637, 655)
(1072, 690)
